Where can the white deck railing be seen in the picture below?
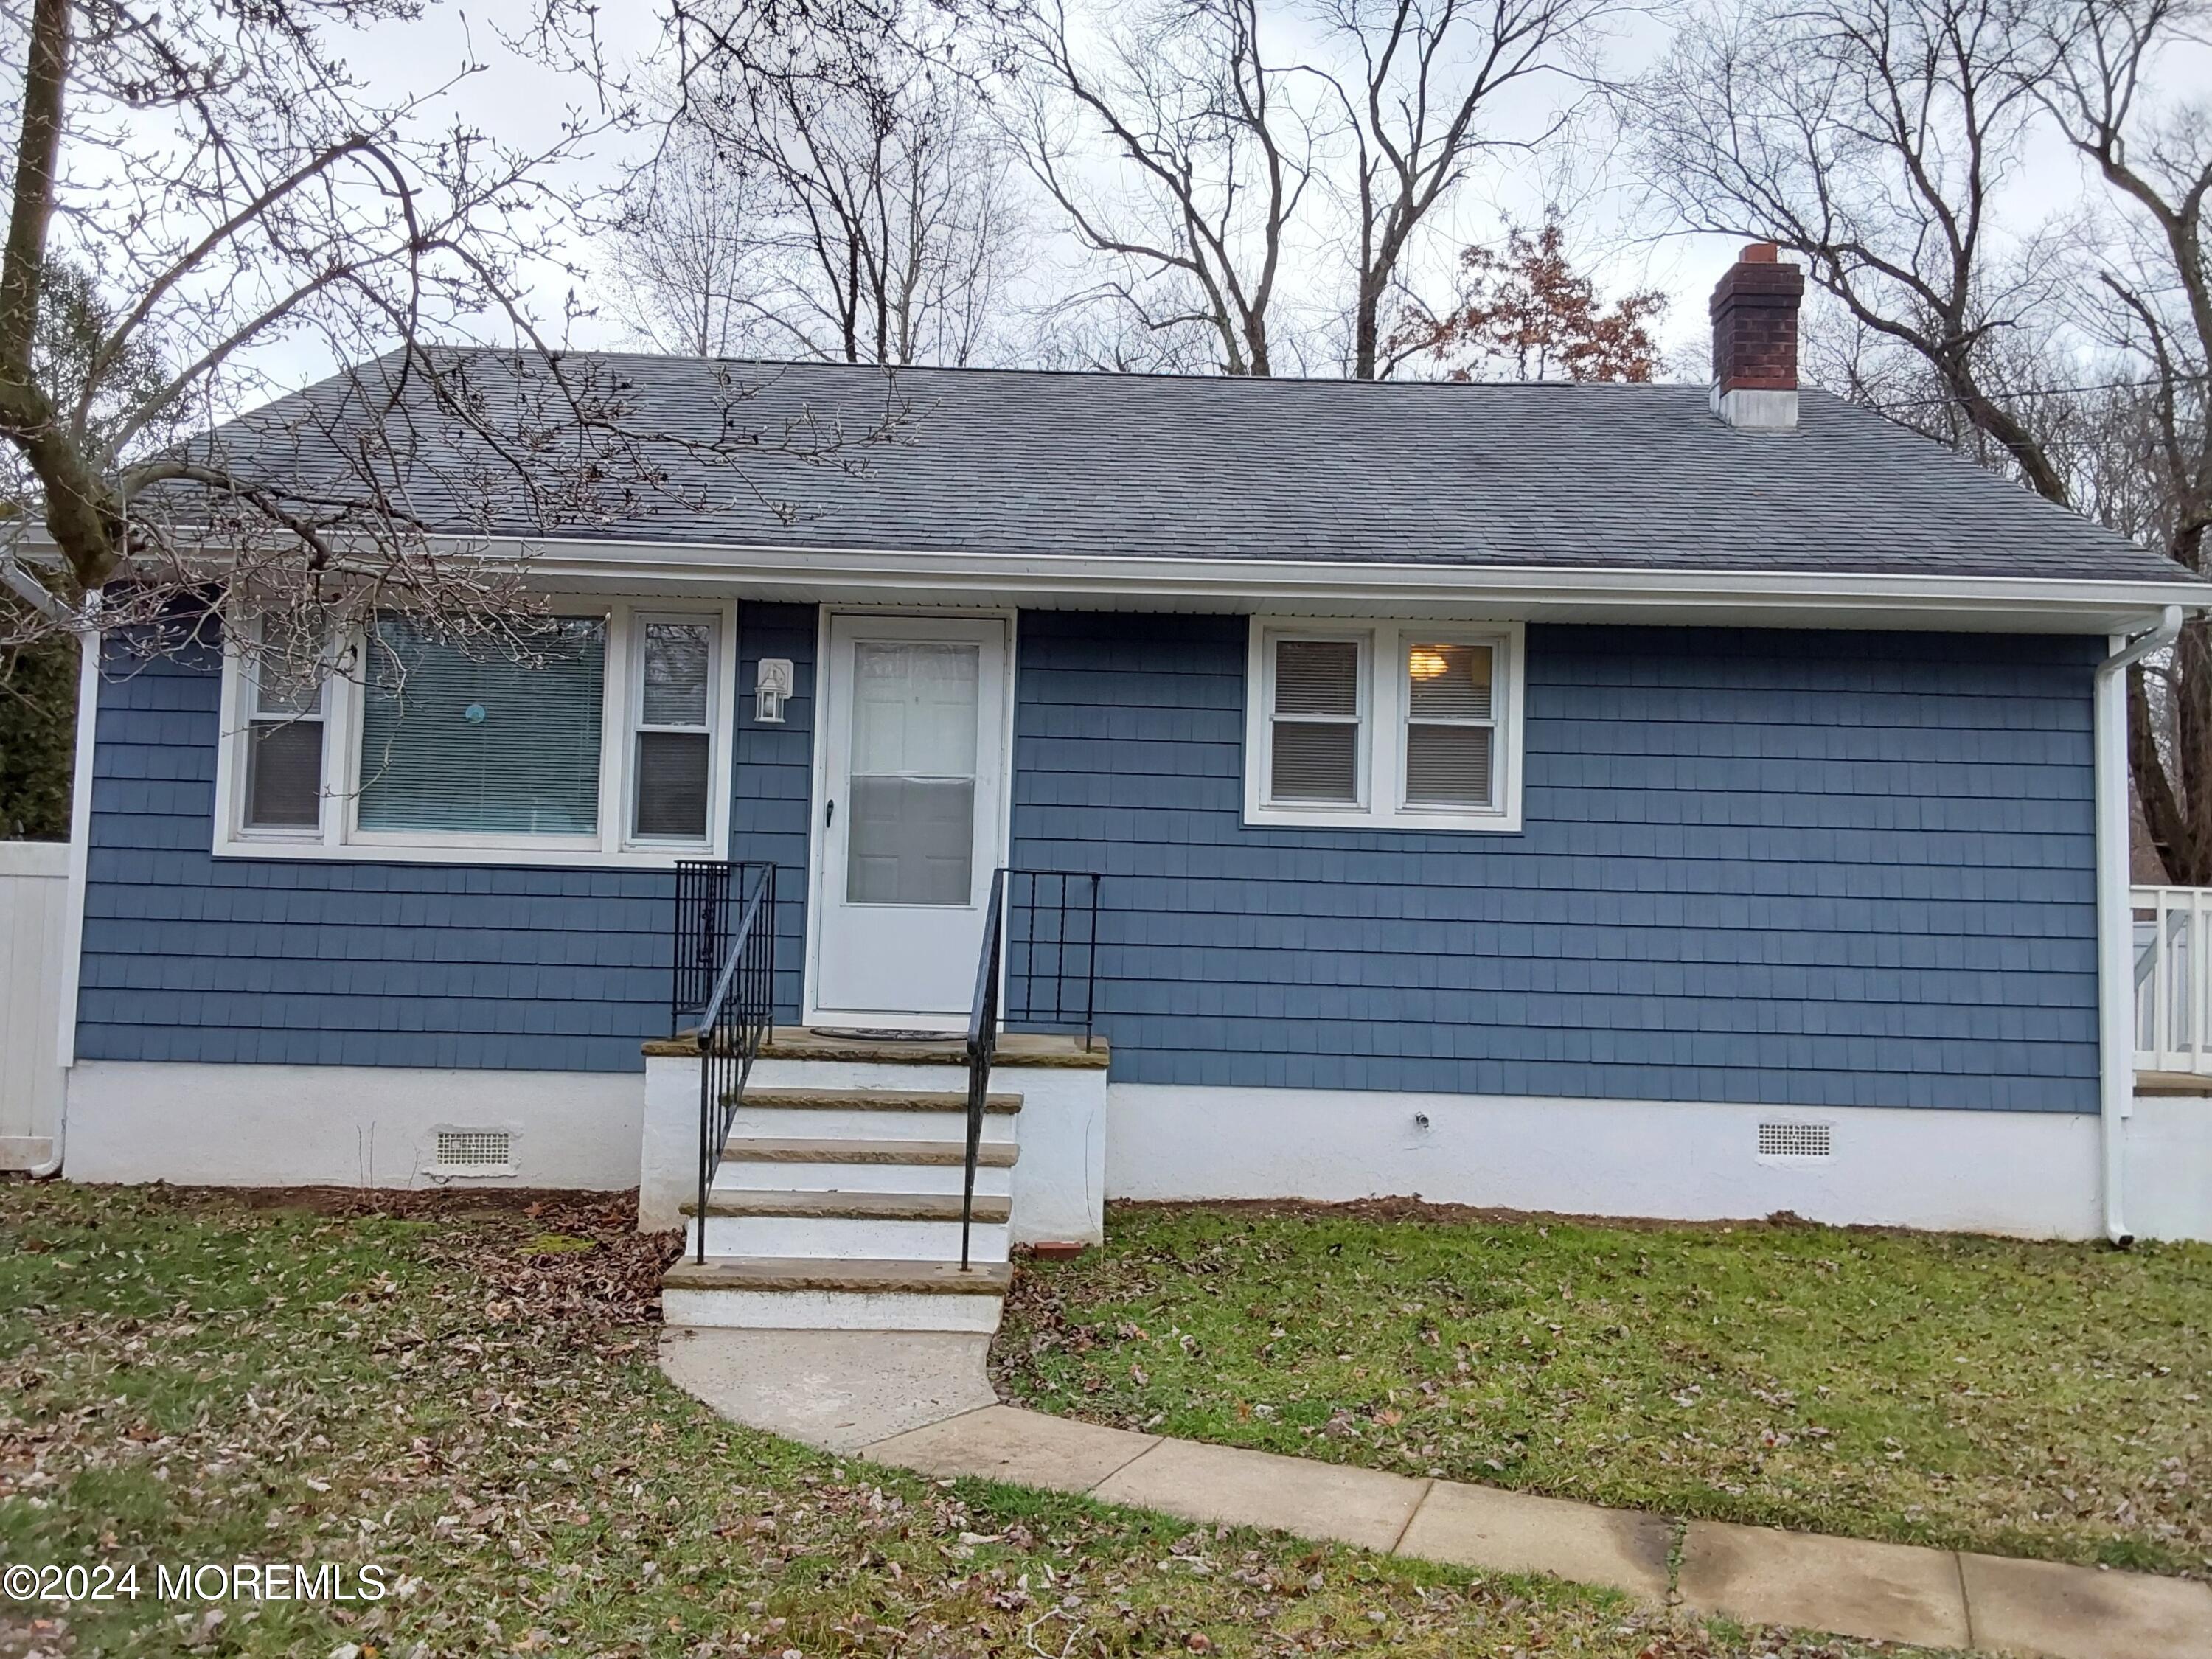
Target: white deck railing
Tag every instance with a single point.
(2173, 1032)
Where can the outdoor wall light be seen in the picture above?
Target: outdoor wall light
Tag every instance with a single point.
(771, 686)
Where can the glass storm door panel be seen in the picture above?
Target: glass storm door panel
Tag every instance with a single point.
(913, 718)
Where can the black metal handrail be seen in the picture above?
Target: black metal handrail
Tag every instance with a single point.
(740, 1013)
(982, 1047)
(1073, 940)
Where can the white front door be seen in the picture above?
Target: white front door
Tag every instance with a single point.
(913, 798)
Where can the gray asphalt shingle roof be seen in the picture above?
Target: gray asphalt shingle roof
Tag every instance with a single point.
(1098, 465)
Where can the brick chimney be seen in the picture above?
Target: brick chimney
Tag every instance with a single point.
(1755, 341)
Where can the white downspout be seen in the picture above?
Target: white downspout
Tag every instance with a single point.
(2116, 1011)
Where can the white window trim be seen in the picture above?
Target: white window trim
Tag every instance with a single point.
(612, 847)
(1383, 734)
(635, 724)
(248, 699)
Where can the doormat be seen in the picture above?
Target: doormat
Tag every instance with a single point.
(869, 1034)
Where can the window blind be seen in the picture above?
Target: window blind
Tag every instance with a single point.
(1315, 732)
(484, 745)
(1449, 733)
(1449, 682)
(1317, 677)
(1448, 765)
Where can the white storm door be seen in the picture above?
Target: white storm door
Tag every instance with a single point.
(913, 797)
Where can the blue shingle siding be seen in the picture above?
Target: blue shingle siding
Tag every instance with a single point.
(774, 778)
(191, 958)
(1783, 867)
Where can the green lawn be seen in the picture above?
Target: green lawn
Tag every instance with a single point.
(467, 1401)
(2050, 1400)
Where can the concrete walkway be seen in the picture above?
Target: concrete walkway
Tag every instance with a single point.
(867, 1403)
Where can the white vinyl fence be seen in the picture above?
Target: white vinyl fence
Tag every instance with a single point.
(33, 898)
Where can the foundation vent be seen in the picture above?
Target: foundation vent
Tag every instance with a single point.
(1794, 1141)
(475, 1151)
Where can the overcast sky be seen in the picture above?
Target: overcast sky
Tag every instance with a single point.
(523, 101)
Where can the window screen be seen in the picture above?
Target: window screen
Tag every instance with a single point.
(482, 740)
(1450, 724)
(284, 743)
(1314, 728)
(673, 740)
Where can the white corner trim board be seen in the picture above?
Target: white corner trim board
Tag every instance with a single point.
(347, 1126)
(2031, 1173)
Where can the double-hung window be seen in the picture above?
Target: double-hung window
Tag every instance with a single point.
(597, 734)
(284, 743)
(1451, 722)
(1383, 724)
(672, 758)
(1318, 719)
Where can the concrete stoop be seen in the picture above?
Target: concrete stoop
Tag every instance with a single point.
(840, 1209)
(796, 1294)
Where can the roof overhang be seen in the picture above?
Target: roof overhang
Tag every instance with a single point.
(1567, 594)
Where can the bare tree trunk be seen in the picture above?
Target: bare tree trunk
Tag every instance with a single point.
(82, 512)
(1428, 79)
(2100, 56)
(1192, 103)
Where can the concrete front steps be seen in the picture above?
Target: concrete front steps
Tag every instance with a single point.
(839, 1209)
(803, 1294)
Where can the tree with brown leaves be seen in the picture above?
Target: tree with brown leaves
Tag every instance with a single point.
(1524, 313)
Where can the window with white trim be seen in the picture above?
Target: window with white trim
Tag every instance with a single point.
(1383, 724)
(492, 738)
(283, 744)
(671, 743)
(598, 733)
(1451, 722)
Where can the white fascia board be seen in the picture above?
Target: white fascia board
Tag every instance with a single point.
(997, 578)
(1994, 603)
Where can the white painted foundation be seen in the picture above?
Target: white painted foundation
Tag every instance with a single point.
(2167, 1148)
(2026, 1173)
(344, 1126)
(2032, 1174)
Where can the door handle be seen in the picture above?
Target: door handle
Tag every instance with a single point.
(829, 813)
